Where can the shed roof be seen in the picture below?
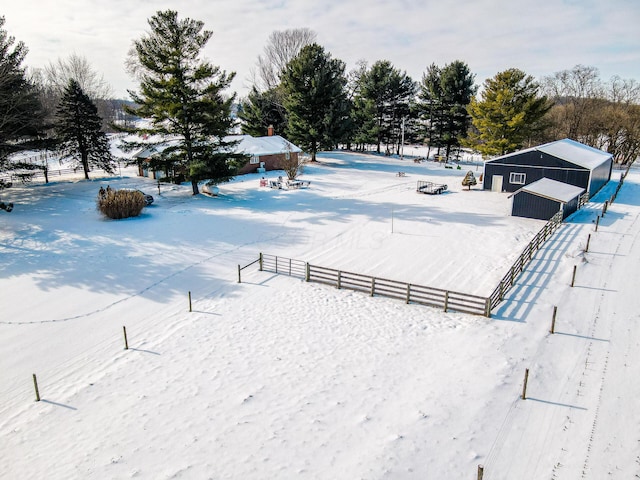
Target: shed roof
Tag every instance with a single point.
(568, 150)
(552, 189)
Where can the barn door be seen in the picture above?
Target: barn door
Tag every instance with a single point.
(496, 183)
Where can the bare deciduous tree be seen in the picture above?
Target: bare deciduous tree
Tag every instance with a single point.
(574, 92)
(76, 67)
(281, 48)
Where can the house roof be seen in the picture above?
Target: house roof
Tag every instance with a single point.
(270, 145)
(552, 189)
(247, 144)
(568, 150)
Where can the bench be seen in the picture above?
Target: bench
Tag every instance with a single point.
(400, 174)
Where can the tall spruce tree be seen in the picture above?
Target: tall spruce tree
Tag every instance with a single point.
(507, 114)
(315, 99)
(389, 93)
(21, 114)
(182, 96)
(443, 99)
(78, 130)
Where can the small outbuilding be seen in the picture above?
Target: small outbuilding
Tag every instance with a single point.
(542, 199)
(565, 161)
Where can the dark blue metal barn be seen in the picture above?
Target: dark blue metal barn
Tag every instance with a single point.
(565, 161)
(544, 198)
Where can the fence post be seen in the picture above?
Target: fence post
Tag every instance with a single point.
(487, 307)
(339, 279)
(289, 267)
(408, 292)
(604, 208)
(501, 290)
(524, 387)
(261, 261)
(239, 279)
(373, 286)
(553, 319)
(586, 249)
(446, 301)
(573, 278)
(126, 343)
(35, 384)
(480, 472)
(189, 300)
(308, 273)
(597, 222)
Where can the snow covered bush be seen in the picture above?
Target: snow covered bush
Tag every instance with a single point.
(118, 204)
(469, 180)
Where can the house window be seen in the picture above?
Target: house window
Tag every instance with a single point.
(517, 178)
(255, 160)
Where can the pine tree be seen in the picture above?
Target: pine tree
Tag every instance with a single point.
(315, 99)
(261, 110)
(21, 114)
(508, 113)
(183, 97)
(444, 96)
(469, 180)
(78, 131)
(390, 93)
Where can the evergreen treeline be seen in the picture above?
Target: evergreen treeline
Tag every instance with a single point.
(305, 94)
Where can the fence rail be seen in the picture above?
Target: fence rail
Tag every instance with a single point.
(375, 286)
(282, 265)
(523, 260)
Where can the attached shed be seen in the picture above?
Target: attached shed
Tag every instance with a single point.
(565, 161)
(544, 198)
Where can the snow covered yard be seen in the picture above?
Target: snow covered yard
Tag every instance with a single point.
(277, 378)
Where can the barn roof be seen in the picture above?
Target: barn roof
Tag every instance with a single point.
(576, 152)
(545, 187)
(568, 150)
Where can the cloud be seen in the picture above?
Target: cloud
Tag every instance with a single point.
(489, 35)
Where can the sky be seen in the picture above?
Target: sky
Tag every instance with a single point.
(540, 38)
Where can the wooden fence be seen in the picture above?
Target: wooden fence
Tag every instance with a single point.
(523, 260)
(447, 300)
(419, 294)
(407, 292)
(29, 175)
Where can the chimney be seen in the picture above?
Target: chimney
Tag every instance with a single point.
(270, 131)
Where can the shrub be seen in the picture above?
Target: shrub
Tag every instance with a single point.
(469, 180)
(118, 204)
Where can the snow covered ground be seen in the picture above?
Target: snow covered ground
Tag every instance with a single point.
(277, 378)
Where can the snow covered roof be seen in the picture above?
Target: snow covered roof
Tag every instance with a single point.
(545, 187)
(270, 145)
(568, 150)
(575, 152)
(247, 144)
